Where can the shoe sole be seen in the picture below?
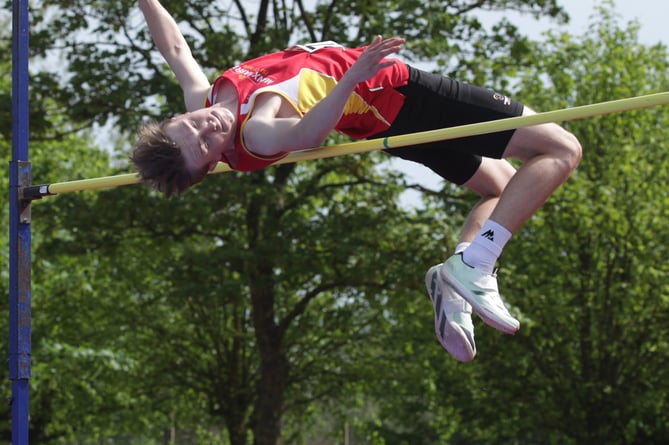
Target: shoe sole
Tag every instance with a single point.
(461, 349)
(482, 311)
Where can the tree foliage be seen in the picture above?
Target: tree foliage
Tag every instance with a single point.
(114, 72)
(288, 303)
(587, 273)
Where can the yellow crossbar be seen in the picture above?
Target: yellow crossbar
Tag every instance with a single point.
(566, 114)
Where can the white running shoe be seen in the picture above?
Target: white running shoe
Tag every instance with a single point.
(452, 317)
(480, 290)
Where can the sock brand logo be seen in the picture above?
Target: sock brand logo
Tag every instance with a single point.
(489, 234)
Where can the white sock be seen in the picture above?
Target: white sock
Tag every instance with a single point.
(486, 247)
(461, 247)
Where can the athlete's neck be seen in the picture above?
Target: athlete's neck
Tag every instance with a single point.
(226, 96)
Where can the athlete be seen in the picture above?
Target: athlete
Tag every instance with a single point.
(257, 112)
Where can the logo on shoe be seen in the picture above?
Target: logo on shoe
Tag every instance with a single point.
(489, 235)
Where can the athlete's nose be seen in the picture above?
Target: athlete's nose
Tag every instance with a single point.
(207, 126)
(213, 123)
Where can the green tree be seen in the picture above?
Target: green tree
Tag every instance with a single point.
(587, 273)
(95, 38)
(198, 327)
(53, 276)
(193, 313)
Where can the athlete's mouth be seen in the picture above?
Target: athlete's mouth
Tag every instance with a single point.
(221, 122)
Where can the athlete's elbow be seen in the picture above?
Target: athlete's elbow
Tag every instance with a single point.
(298, 143)
(270, 150)
(310, 141)
(312, 138)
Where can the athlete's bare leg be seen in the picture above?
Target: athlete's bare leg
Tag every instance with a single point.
(549, 154)
(489, 182)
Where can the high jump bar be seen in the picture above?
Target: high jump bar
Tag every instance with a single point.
(364, 146)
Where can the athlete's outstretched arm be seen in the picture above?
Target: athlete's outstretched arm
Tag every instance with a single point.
(267, 134)
(176, 52)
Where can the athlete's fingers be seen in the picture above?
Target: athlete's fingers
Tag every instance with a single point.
(371, 60)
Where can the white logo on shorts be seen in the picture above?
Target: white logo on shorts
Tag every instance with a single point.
(505, 99)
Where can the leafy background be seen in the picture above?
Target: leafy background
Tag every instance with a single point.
(287, 306)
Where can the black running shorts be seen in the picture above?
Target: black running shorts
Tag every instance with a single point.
(433, 102)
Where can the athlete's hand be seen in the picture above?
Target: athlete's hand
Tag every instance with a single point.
(369, 62)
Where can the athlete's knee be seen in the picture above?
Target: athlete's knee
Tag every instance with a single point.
(491, 178)
(571, 150)
(549, 139)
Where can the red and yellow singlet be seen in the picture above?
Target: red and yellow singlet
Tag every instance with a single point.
(303, 75)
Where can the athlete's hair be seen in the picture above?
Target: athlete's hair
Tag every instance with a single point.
(160, 162)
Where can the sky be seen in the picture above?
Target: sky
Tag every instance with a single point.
(652, 16)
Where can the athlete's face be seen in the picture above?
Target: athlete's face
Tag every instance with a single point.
(203, 135)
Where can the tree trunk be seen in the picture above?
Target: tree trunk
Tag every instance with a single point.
(270, 397)
(274, 368)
